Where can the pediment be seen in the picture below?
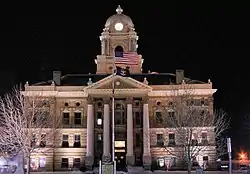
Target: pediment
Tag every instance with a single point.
(120, 82)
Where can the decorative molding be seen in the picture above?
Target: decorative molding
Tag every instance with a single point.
(117, 91)
(130, 91)
(56, 94)
(127, 80)
(193, 92)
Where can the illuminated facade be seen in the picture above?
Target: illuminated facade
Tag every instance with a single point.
(83, 102)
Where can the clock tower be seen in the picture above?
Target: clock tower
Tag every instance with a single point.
(118, 36)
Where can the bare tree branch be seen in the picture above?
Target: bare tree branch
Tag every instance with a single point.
(27, 124)
(196, 126)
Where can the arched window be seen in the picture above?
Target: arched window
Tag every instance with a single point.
(118, 51)
(120, 118)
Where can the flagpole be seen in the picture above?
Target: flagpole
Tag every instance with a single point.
(113, 116)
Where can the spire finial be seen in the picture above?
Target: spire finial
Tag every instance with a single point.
(119, 10)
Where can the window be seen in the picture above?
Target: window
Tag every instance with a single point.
(137, 118)
(172, 118)
(120, 118)
(194, 142)
(66, 118)
(99, 137)
(99, 118)
(202, 113)
(78, 118)
(43, 140)
(76, 163)
(99, 143)
(205, 158)
(65, 163)
(158, 116)
(138, 140)
(204, 140)
(42, 162)
(171, 139)
(160, 141)
(77, 142)
(33, 140)
(65, 141)
(118, 51)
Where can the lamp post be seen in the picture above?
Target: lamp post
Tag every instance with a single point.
(229, 150)
(113, 118)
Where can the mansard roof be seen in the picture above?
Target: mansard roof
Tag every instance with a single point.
(152, 78)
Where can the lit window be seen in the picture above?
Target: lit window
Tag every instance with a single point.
(99, 118)
(42, 162)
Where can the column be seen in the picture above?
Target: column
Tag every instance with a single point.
(89, 161)
(106, 133)
(130, 158)
(103, 46)
(146, 138)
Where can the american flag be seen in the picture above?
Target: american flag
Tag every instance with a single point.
(129, 58)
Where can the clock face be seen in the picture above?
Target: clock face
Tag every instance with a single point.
(118, 26)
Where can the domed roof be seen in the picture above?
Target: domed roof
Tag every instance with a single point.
(119, 17)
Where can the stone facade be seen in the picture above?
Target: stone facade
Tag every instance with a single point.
(86, 110)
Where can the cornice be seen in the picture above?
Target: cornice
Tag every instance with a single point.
(85, 93)
(161, 93)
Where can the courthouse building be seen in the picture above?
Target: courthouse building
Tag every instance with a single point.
(83, 101)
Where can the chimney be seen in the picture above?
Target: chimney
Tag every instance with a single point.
(57, 77)
(179, 76)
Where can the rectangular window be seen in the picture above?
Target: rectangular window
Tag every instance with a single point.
(65, 118)
(77, 163)
(99, 118)
(160, 141)
(33, 140)
(77, 142)
(159, 118)
(137, 118)
(65, 141)
(138, 140)
(78, 118)
(171, 139)
(42, 162)
(99, 143)
(204, 140)
(43, 140)
(65, 163)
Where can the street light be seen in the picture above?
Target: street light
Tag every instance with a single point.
(242, 156)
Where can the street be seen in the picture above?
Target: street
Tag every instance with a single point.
(155, 172)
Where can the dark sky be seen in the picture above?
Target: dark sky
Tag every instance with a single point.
(206, 40)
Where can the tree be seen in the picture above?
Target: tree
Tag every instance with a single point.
(188, 117)
(27, 125)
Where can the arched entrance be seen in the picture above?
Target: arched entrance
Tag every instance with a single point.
(118, 51)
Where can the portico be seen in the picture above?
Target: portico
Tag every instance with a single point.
(124, 100)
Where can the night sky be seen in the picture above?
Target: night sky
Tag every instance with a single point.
(208, 41)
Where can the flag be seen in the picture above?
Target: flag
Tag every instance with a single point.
(122, 72)
(129, 58)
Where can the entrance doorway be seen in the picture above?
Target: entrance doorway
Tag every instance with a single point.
(120, 155)
(120, 158)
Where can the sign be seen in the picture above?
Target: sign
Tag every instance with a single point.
(107, 169)
(120, 144)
